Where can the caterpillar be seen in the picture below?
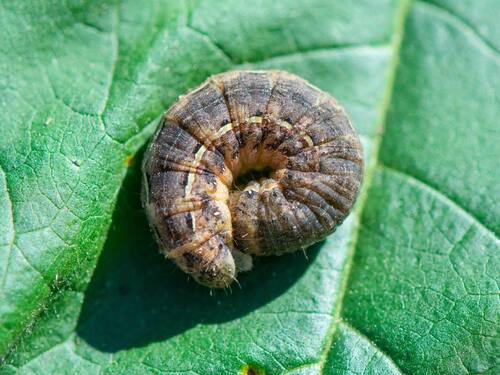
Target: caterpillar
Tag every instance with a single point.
(209, 211)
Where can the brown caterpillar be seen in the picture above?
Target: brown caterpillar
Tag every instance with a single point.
(234, 123)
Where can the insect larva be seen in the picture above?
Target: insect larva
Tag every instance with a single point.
(208, 222)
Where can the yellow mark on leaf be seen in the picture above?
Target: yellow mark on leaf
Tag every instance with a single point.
(129, 160)
(251, 370)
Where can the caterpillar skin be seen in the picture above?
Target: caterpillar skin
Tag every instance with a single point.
(233, 123)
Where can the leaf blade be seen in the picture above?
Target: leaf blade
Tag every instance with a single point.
(282, 327)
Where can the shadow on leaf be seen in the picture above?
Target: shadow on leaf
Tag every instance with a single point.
(137, 297)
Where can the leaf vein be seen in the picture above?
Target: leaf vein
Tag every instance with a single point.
(461, 23)
(441, 196)
(384, 107)
(375, 347)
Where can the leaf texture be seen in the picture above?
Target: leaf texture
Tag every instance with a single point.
(409, 283)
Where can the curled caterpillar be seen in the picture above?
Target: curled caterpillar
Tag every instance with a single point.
(205, 218)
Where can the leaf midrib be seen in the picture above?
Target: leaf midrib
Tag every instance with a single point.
(373, 160)
(398, 38)
(400, 20)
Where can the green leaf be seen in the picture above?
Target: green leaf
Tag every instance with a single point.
(409, 284)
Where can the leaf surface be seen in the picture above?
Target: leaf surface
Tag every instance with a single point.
(409, 283)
